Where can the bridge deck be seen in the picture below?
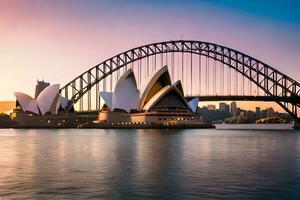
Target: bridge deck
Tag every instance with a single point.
(244, 98)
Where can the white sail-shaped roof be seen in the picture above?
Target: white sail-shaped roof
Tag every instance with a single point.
(126, 94)
(55, 105)
(175, 98)
(63, 102)
(153, 84)
(27, 103)
(156, 97)
(107, 97)
(47, 99)
(194, 104)
(156, 92)
(178, 85)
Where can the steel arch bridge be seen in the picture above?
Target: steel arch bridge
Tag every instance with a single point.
(201, 66)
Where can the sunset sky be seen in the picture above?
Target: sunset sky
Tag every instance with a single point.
(57, 40)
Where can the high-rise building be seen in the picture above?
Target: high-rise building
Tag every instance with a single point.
(257, 112)
(211, 107)
(233, 108)
(40, 86)
(238, 111)
(270, 112)
(224, 107)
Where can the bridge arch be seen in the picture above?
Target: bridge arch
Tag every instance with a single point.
(283, 89)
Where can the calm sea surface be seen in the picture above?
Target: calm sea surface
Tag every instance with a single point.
(150, 164)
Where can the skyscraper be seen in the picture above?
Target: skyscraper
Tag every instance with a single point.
(40, 86)
(257, 113)
(224, 107)
(233, 107)
(211, 107)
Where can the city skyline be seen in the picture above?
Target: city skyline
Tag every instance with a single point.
(232, 114)
(41, 39)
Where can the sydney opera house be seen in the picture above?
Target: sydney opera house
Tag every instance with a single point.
(46, 110)
(48, 101)
(157, 103)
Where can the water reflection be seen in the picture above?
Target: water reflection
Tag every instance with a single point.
(159, 157)
(240, 165)
(135, 164)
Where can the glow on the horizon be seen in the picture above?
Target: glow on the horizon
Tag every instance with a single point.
(246, 105)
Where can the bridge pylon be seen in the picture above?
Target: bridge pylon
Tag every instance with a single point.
(296, 124)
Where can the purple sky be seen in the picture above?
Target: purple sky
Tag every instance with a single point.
(58, 40)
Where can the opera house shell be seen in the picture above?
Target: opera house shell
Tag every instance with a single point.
(156, 102)
(48, 101)
(48, 110)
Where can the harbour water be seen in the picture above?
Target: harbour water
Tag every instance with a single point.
(150, 164)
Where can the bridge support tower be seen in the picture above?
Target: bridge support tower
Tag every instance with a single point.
(296, 124)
